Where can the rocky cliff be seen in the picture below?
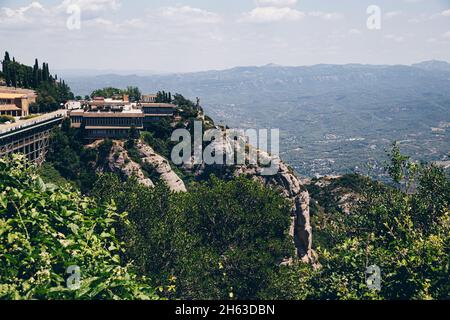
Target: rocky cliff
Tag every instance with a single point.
(120, 161)
(292, 188)
(283, 179)
(161, 166)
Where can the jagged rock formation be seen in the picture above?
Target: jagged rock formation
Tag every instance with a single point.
(340, 193)
(161, 167)
(119, 161)
(282, 179)
(292, 188)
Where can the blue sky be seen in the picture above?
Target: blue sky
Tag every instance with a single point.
(192, 35)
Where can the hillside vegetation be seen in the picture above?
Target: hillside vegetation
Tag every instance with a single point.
(51, 91)
(226, 237)
(403, 228)
(45, 229)
(220, 240)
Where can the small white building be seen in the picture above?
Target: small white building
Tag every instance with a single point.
(148, 98)
(73, 105)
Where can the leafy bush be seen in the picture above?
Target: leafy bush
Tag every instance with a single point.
(220, 240)
(74, 162)
(109, 92)
(50, 175)
(45, 229)
(31, 116)
(6, 118)
(403, 229)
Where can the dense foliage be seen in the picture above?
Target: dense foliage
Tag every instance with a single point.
(71, 159)
(51, 92)
(133, 92)
(403, 229)
(226, 239)
(220, 240)
(45, 229)
(163, 97)
(6, 118)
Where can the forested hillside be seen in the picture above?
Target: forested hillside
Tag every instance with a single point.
(51, 90)
(226, 237)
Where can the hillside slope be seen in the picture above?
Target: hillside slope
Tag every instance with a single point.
(333, 118)
(152, 168)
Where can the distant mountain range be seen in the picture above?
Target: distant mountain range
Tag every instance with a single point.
(433, 65)
(333, 118)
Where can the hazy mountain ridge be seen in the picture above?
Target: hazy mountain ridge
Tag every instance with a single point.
(333, 118)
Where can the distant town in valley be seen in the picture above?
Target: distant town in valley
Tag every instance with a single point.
(343, 124)
(334, 119)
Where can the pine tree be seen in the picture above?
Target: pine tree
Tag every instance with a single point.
(44, 72)
(39, 76)
(36, 74)
(5, 68)
(14, 73)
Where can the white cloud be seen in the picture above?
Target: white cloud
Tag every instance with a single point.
(36, 14)
(211, 38)
(394, 37)
(134, 23)
(99, 23)
(187, 14)
(354, 32)
(276, 3)
(272, 14)
(95, 15)
(22, 14)
(326, 15)
(28, 17)
(393, 14)
(91, 6)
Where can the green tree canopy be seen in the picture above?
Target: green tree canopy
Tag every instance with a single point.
(45, 229)
(220, 240)
(403, 229)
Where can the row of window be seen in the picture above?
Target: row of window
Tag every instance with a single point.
(11, 113)
(108, 121)
(108, 133)
(152, 110)
(76, 119)
(113, 121)
(6, 101)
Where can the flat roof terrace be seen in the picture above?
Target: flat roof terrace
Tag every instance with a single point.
(23, 124)
(28, 93)
(157, 105)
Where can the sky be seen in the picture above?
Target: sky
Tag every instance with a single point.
(195, 35)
